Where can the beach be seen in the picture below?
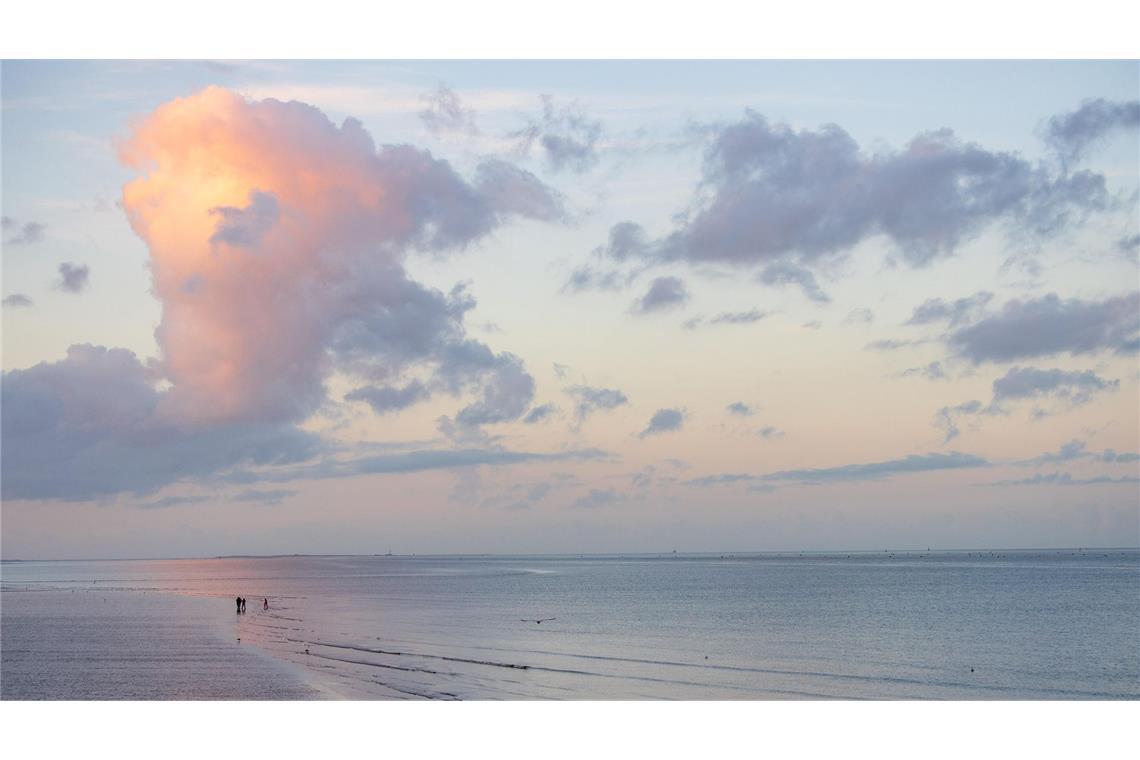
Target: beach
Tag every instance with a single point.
(1059, 624)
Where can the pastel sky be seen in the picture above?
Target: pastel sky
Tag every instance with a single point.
(468, 307)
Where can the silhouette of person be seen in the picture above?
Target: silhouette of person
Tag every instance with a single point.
(265, 604)
(243, 605)
(239, 605)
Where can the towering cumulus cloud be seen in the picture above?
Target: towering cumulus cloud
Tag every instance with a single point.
(276, 243)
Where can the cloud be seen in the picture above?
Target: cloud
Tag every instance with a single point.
(175, 501)
(663, 421)
(277, 242)
(932, 371)
(664, 293)
(892, 344)
(773, 194)
(269, 496)
(1074, 449)
(769, 432)
(444, 113)
(586, 277)
(403, 463)
(90, 426)
(851, 472)
(590, 399)
(859, 317)
(244, 227)
(1071, 135)
(17, 300)
(560, 370)
(73, 277)
(596, 498)
(1072, 388)
(787, 273)
(1123, 457)
(1049, 325)
(876, 470)
(720, 480)
(316, 221)
(1128, 245)
(384, 399)
(539, 413)
(955, 313)
(566, 137)
(628, 241)
(30, 232)
(946, 417)
(740, 409)
(1062, 479)
(1029, 383)
(727, 318)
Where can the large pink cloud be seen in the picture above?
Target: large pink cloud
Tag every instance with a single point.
(276, 240)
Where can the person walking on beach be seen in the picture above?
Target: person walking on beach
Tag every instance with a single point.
(243, 605)
(239, 605)
(265, 604)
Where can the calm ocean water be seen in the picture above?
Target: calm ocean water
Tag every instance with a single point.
(918, 625)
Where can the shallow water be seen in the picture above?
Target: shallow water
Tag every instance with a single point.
(932, 625)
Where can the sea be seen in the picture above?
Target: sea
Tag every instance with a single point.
(1059, 624)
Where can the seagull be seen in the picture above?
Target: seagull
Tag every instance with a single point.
(536, 621)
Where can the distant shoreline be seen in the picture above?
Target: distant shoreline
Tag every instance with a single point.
(525, 555)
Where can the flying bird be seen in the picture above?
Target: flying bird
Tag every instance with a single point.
(536, 621)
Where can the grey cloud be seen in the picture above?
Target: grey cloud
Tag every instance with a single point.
(1029, 382)
(720, 480)
(17, 299)
(444, 113)
(1061, 479)
(174, 501)
(1074, 449)
(1123, 457)
(30, 232)
(787, 273)
(586, 277)
(876, 470)
(539, 413)
(859, 317)
(1049, 325)
(407, 462)
(946, 417)
(727, 318)
(1128, 244)
(664, 293)
(956, 312)
(627, 241)
(932, 371)
(506, 394)
(815, 324)
(663, 421)
(1073, 388)
(590, 399)
(384, 399)
(560, 370)
(268, 496)
(245, 227)
(91, 425)
(770, 432)
(566, 136)
(73, 277)
(596, 498)
(891, 344)
(511, 190)
(740, 409)
(1072, 135)
(776, 193)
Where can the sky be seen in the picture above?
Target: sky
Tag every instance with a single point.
(514, 307)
